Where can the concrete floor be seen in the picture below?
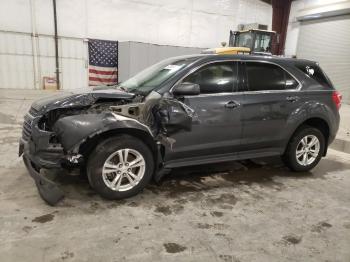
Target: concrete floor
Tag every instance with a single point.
(238, 211)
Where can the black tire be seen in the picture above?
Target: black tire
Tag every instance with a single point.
(101, 153)
(290, 158)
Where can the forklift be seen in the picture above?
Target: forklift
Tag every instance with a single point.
(250, 41)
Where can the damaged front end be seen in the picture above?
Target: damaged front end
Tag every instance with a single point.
(39, 153)
(59, 137)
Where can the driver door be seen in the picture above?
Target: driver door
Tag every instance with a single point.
(216, 126)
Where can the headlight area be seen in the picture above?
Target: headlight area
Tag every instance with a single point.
(45, 150)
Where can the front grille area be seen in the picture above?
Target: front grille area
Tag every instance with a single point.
(27, 126)
(33, 111)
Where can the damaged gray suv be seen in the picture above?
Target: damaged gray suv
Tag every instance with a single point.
(183, 111)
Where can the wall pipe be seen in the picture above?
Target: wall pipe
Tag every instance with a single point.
(56, 45)
(34, 37)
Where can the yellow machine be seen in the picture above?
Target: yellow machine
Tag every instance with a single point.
(227, 50)
(252, 41)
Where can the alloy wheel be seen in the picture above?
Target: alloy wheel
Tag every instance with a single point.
(123, 169)
(307, 150)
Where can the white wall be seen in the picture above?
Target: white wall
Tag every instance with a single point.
(187, 23)
(307, 7)
(193, 23)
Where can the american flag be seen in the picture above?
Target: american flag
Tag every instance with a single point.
(103, 62)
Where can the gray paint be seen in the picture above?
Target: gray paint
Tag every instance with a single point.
(193, 129)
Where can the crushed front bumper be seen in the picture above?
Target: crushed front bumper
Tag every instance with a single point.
(38, 153)
(48, 190)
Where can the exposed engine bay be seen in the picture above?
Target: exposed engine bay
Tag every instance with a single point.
(159, 116)
(74, 121)
(157, 113)
(61, 131)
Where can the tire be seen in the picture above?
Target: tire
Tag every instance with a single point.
(108, 172)
(297, 147)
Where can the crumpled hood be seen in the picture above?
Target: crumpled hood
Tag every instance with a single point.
(79, 98)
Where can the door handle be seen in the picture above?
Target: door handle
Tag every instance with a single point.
(292, 98)
(232, 104)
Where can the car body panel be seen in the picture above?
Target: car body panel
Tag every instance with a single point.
(183, 131)
(89, 125)
(210, 127)
(267, 112)
(79, 98)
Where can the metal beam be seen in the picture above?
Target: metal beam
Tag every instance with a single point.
(56, 45)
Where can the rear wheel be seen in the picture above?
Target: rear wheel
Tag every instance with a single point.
(305, 149)
(120, 167)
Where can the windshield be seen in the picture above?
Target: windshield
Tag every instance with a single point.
(151, 77)
(244, 40)
(262, 43)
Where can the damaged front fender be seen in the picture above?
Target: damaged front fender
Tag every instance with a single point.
(159, 118)
(74, 130)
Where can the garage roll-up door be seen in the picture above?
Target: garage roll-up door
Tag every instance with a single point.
(327, 41)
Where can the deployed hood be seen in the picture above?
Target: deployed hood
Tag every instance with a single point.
(80, 98)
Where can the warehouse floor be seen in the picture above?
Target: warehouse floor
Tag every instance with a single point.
(239, 211)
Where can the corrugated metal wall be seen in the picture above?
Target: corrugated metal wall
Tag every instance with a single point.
(327, 41)
(17, 60)
(74, 63)
(135, 56)
(197, 23)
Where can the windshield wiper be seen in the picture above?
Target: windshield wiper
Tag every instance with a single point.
(122, 88)
(134, 90)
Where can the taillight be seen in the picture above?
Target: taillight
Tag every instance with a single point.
(336, 96)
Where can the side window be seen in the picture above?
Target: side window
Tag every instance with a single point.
(214, 78)
(265, 76)
(291, 83)
(315, 73)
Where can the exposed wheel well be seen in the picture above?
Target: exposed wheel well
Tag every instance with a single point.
(89, 145)
(321, 125)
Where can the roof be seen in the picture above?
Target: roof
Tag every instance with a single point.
(220, 57)
(253, 57)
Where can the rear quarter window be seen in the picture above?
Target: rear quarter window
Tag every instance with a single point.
(315, 73)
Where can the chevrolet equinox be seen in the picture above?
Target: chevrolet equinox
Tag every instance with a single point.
(182, 111)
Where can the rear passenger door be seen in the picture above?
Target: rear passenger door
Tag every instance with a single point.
(271, 95)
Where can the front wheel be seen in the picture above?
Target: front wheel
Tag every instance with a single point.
(305, 149)
(120, 167)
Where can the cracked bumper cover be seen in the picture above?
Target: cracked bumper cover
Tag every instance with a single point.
(42, 154)
(48, 190)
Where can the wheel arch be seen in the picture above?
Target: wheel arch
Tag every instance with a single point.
(89, 144)
(316, 122)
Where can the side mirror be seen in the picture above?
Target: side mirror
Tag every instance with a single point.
(186, 89)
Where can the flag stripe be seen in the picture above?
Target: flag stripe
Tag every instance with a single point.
(103, 62)
(103, 76)
(102, 68)
(102, 80)
(94, 71)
